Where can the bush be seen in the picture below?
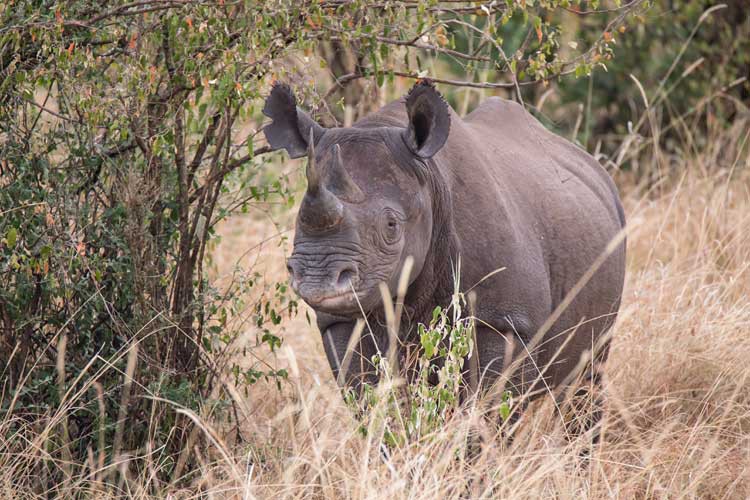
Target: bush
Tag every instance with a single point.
(120, 154)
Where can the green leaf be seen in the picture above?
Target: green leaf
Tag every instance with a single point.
(272, 340)
(504, 411)
(436, 312)
(11, 236)
(45, 252)
(505, 405)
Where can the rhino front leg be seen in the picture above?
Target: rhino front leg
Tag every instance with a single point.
(502, 364)
(351, 370)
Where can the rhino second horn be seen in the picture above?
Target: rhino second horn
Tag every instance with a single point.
(321, 210)
(340, 180)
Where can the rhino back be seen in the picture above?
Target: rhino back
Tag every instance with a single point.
(546, 183)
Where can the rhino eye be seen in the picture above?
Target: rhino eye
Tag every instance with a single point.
(391, 226)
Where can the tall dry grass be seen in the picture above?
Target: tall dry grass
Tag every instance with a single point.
(677, 384)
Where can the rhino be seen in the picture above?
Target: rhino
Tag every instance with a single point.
(494, 190)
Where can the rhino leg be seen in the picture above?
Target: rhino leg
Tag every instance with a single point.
(357, 365)
(583, 406)
(503, 365)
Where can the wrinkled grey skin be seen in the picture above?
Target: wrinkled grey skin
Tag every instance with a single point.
(495, 188)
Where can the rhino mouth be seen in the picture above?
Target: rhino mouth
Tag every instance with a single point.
(344, 303)
(336, 300)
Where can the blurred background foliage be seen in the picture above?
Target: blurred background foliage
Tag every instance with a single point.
(129, 130)
(692, 60)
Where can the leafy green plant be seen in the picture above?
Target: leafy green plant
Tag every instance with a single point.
(437, 385)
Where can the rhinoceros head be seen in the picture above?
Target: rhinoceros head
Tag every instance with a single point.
(367, 206)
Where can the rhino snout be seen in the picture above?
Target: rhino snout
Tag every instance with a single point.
(324, 288)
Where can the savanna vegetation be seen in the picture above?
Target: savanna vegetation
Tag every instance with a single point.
(150, 345)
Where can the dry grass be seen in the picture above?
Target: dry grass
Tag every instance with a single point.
(678, 387)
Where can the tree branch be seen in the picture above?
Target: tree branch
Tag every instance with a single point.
(228, 168)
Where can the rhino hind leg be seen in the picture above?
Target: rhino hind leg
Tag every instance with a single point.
(583, 409)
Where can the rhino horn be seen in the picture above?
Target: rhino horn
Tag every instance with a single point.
(341, 182)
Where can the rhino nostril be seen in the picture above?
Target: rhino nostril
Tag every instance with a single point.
(346, 277)
(292, 277)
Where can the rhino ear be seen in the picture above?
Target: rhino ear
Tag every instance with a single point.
(290, 126)
(429, 119)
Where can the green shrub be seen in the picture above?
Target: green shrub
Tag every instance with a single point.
(438, 382)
